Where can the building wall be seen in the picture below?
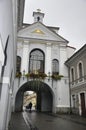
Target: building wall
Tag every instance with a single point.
(8, 34)
(20, 6)
(54, 47)
(70, 51)
(2, 57)
(80, 58)
(78, 85)
(60, 88)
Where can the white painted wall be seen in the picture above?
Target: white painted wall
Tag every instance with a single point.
(53, 50)
(60, 88)
(3, 108)
(7, 28)
(25, 57)
(63, 93)
(63, 57)
(70, 51)
(48, 60)
(2, 56)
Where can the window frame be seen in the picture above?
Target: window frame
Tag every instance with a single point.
(32, 51)
(71, 76)
(56, 72)
(80, 76)
(17, 64)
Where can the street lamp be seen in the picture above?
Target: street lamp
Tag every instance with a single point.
(48, 76)
(23, 74)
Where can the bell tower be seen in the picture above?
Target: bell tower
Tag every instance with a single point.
(38, 16)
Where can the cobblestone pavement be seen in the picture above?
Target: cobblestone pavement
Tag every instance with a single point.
(45, 121)
(19, 121)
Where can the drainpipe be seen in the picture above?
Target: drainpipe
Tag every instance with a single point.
(0, 70)
(69, 89)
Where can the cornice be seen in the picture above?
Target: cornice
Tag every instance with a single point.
(41, 40)
(76, 55)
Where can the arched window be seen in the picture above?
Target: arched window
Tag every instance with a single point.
(55, 66)
(38, 18)
(37, 60)
(80, 70)
(72, 74)
(18, 64)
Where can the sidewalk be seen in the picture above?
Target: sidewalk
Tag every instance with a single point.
(74, 118)
(17, 122)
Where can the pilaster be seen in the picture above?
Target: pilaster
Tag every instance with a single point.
(63, 57)
(48, 60)
(25, 57)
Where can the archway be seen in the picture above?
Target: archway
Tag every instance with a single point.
(44, 96)
(29, 97)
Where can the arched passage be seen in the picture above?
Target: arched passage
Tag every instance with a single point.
(44, 96)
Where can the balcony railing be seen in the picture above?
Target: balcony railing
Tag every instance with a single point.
(38, 75)
(78, 81)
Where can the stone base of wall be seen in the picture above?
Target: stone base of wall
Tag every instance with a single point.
(63, 110)
(67, 110)
(75, 111)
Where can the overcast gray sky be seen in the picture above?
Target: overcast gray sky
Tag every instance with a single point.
(69, 15)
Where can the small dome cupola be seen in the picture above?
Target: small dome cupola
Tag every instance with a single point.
(38, 16)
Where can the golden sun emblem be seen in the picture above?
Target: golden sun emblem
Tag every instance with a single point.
(38, 31)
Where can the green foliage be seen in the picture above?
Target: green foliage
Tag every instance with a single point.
(27, 75)
(38, 75)
(18, 74)
(57, 76)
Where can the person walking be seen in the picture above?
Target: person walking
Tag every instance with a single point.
(30, 106)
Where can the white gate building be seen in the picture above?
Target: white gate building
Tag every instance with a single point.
(42, 51)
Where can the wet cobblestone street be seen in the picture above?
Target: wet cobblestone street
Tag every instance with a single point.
(42, 121)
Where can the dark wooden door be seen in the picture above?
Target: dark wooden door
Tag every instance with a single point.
(83, 108)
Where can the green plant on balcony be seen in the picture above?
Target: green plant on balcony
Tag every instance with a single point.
(38, 75)
(27, 75)
(42, 75)
(57, 76)
(18, 74)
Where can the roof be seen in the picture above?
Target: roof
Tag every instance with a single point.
(48, 27)
(74, 56)
(71, 47)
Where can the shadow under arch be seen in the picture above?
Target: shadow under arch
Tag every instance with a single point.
(44, 96)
